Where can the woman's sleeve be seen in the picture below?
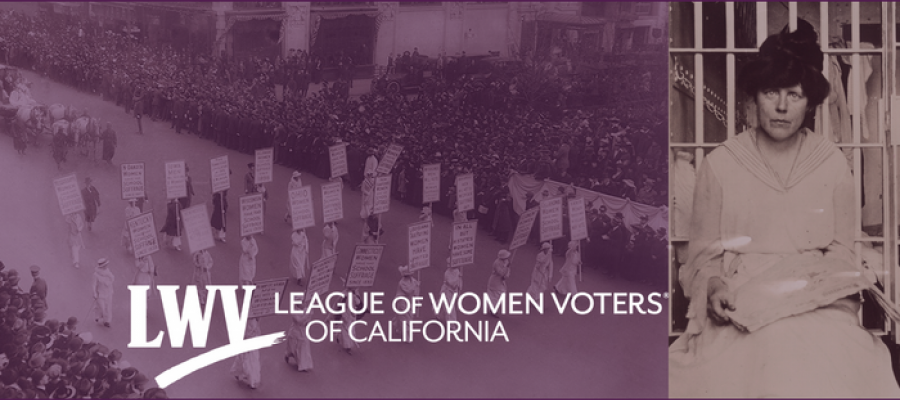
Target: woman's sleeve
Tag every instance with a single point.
(842, 244)
(705, 251)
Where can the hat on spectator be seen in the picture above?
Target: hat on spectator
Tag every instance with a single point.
(129, 373)
(546, 246)
(503, 254)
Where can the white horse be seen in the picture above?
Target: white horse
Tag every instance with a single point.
(86, 131)
(33, 116)
(58, 112)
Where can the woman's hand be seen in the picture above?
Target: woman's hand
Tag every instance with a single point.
(719, 299)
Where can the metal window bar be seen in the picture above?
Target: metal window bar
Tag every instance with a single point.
(888, 56)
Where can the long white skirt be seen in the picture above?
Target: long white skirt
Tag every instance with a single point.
(247, 369)
(819, 354)
(298, 348)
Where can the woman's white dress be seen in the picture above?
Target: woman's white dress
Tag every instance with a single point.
(298, 344)
(246, 367)
(750, 215)
(299, 254)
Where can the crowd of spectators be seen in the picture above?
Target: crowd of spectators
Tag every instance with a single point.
(44, 358)
(492, 125)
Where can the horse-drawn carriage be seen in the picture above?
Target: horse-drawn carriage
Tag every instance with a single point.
(70, 129)
(29, 121)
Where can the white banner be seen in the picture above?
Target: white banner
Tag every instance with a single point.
(551, 218)
(523, 229)
(465, 192)
(175, 180)
(577, 219)
(332, 202)
(220, 174)
(462, 250)
(419, 235)
(196, 228)
(320, 276)
(264, 160)
(263, 301)
(431, 183)
(68, 194)
(382, 194)
(390, 158)
(302, 215)
(144, 240)
(364, 265)
(337, 155)
(252, 214)
(132, 181)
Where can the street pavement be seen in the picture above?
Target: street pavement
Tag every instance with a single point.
(551, 355)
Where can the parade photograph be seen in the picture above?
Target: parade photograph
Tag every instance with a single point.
(343, 200)
(783, 192)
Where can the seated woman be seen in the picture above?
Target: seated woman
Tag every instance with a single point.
(774, 191)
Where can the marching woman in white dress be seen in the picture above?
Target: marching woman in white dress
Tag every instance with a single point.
(203, 263)
(246, 367)
(76, 241)
(569, 270)
(295, 183)
(542, 272)
(368, 185)
(247, 266)
(131, 211)
(775, 191)
(103, 292)
(496, 287)
(330, 239)
(299, 255)
(452, 285)
(145, 272)
(348, 331)
(298, 345)
(408, 287)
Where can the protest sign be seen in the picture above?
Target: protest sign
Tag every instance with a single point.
(196, 228)
(364, 265)
(263, 301)
(382, 194)
(132, 181)
(419, 235)
(264, 160)
(551, 218)
(523, 229)
(465, 192)
(251, 214)
(431, 183)
(332, 202)
(337, 154)
(220, 174)
(390, 158)
(175, 180)
(462, 250)
(302, 215)
(68, 194)
(577, 219)
(143, 235)
(320, 276)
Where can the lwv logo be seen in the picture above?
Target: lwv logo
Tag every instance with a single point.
(191, 315)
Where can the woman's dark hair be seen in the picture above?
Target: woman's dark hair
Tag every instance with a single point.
(785, 60)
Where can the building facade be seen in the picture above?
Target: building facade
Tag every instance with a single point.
(372, 31)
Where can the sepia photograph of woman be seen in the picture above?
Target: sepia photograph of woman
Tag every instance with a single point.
(781, 186)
